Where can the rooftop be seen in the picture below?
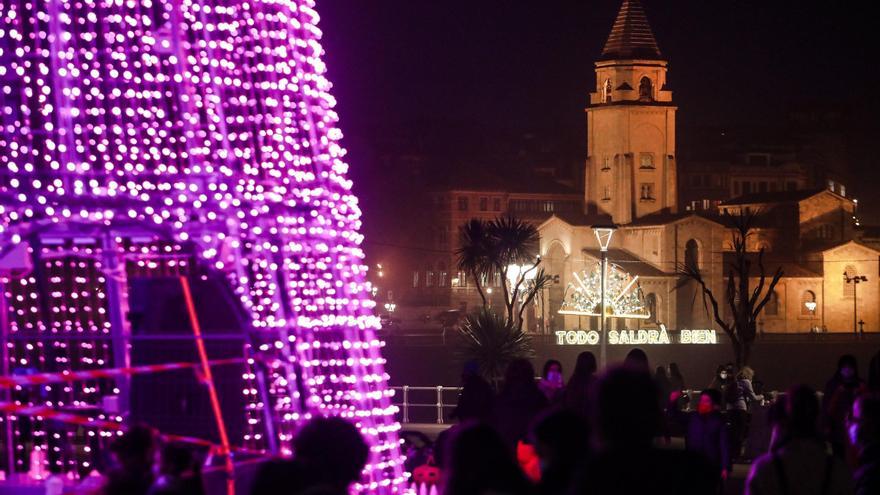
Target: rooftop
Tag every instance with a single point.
(772, 261)
(631, 37)
(628, 261)
(772, 197)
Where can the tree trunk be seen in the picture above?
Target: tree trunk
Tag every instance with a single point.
(737, 354)
(742, 351)
(746, 353)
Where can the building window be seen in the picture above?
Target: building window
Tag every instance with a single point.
(647, 191)
(606, 92)
(429, 278)
(462, 204)
(646, 160)
(442, 274)
(484, 204)
(849, 288)
(606, 164)
(606, 193)
(843, 190)
(651, 306)
(772, 306)
(460, 279)
(825, 231)
(808, 300)
(692, 255)
(646, 89)
(496, 204)
(415, 279)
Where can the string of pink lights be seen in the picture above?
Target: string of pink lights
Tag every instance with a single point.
(210, 123)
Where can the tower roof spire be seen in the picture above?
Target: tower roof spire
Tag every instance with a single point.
(631, 37)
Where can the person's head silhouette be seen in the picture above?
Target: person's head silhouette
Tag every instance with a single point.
(627, 412)
(332, 450)
(637, 360)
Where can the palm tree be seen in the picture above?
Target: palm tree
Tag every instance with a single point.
(493, 342)
(515, 242)
(475, 252)
(495, 246)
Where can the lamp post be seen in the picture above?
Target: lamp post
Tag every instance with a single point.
(855, 280)
(603, 235)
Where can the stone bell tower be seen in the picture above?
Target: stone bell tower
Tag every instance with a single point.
(631, 125)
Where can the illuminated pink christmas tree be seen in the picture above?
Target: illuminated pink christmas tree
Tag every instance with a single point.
(208, 124)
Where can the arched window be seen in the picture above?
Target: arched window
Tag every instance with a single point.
(808, 303)
(646, 89)
(606, 91)
(772, 306)
(849, 288)
(692, 255)
(651, 306)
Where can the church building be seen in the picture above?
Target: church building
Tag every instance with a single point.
(669, 214)
(631, 180)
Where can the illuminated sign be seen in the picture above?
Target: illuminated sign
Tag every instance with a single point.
(654, 336)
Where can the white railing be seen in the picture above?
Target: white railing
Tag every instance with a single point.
(439, 404)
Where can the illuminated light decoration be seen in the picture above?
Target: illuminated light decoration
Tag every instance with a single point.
(650, 336)
(623, 295)
(151, 126)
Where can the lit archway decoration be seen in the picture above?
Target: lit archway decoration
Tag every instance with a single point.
(210, 125)
(623, 294)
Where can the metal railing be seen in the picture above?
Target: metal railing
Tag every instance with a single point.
(439, 405)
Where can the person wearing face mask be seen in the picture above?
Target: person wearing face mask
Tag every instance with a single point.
(706, 432)
(551, 383)
(863, 427)
(840, 393)
(723, 377)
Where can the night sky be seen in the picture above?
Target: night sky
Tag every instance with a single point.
(456, 71)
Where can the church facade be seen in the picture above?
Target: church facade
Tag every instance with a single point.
(631, 180)
(669, 214)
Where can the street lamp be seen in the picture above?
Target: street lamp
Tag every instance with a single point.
(603, 235)
(855, 280)
(811, 307)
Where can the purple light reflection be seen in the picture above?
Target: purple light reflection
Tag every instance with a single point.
(215, 122)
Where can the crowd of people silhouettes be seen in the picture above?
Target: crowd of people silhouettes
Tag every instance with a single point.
(605, 433)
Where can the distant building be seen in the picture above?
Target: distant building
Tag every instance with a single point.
(436, 280)
(671, 214)
(667, 221)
